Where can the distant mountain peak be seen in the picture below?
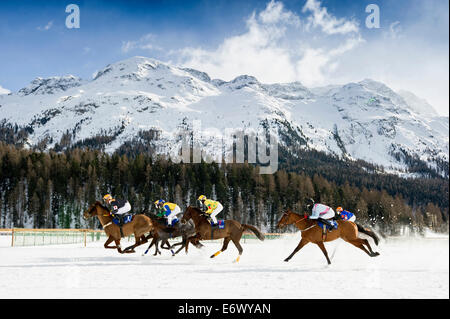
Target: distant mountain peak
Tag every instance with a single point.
(4, 91)
(51, 85)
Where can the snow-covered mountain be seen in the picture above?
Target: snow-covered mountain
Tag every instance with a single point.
(365, 120)
(4, 91)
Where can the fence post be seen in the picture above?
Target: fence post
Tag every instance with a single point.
(12, 241)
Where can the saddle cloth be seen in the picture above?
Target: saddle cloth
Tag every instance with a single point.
(220, 224)
(335, 225)
(126, 219)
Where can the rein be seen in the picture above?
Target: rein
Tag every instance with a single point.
(302, 230)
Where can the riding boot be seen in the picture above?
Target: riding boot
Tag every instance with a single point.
(327, 222)
(120, 218)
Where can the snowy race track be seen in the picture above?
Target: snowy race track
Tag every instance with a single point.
(406, 268)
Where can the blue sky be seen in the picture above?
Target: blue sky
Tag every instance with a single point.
(315, 42)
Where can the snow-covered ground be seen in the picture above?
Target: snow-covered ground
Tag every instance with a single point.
(406, 268)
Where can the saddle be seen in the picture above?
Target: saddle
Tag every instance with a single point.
(125, 220)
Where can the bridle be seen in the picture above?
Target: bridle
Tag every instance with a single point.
(301, 219)
(105, 215)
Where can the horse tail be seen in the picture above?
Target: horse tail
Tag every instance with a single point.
(368, 232)
(254, 230)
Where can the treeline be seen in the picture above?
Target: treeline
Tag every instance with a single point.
(52, 189)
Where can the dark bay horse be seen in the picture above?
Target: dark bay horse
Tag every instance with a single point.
(312, 233)
(139, 226)
(232, 231)
(163, 233)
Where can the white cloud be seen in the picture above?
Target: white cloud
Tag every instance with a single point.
(328, 23)
(278, 46)
(46, 27)
(395, 31)
(317, 48)
(144, 43)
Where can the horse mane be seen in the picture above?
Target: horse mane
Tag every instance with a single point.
(101, 205)
(292, 212)
(197, 209)
(151, 215)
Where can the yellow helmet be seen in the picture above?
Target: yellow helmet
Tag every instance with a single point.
(339, 209)
(107, 197)
(202, 197)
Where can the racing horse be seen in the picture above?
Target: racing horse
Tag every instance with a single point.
(311, 233)
(139, 226)
(163, 233)
(232, 230)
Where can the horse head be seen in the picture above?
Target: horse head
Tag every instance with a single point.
(289, 218)
(192, 213)
(95, 209)
(186, 216)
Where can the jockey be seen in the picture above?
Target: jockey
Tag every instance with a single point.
(214, 207)
(119, 207)
(168, 210)
(345, 215)
(322, 213)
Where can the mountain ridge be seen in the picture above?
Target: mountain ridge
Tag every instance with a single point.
(359, 120)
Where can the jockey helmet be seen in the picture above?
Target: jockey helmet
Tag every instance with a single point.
(107, 198)
(159, 202)
(339, 209)
(309, 204)
(202, 198)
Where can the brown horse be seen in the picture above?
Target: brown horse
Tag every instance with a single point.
(139, 226)
(162, 233)
(232, 231)
(312, 233)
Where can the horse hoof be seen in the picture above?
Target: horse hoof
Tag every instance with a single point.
(286, 260)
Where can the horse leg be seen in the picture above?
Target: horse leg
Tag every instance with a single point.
(119, 247)
(107, 242)
(302, 243)
(322, 247)
(149, 246)
(373, 254)
(358, 242)
(169, 247)
(157, 251)
(166, 242)
(137, 242)
(191, 239)
(238, 246)
(143, 239)
(224, 247)
(183, 244)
